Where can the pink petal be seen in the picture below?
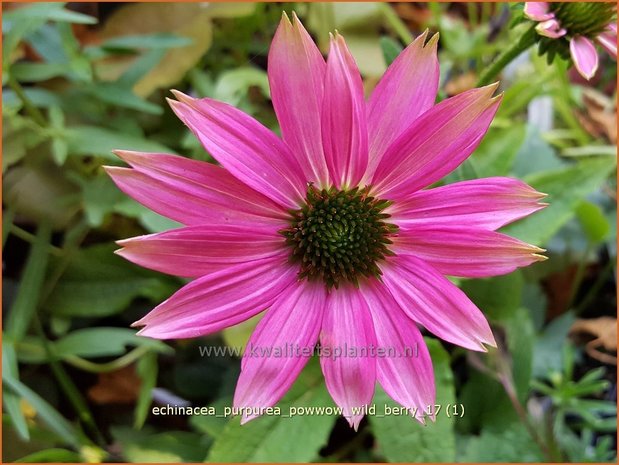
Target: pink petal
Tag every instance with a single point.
(464, 251)
(296, 76)
(347, 325)
(584, 55)
(290, 327)
(167, 200)
(344, 127)
(487, 203)
(538, 11)
(407, 89)
(223, 197)
(198, 250)
(608, 40)
(551, 28)
(406, 375)
(221, 299)
(431, 300)
(247, 149)
(436, 143)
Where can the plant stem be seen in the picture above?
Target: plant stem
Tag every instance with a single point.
(117, 364)
(594, 289)
(33, 111)
(69, 388)
(506, 378)
(526, 40)
(579, 276)
(395, 23)
(30, 238)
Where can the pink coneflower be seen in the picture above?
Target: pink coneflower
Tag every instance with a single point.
(330, 228)
(577, 25)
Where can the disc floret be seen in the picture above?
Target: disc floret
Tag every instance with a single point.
(339, 235)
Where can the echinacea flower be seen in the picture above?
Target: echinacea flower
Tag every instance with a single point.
(570, 29)
(329, 227)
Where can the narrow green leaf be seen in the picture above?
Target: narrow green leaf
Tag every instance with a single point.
(593, 221)
(104, 342)
(147, 370)
(94, 140)
(10, 400)
(51, 456)
(54, 420)
(123, 97)
(49, 11)
(147, 41)
(36, 72)
(27, 299)
(391, 49)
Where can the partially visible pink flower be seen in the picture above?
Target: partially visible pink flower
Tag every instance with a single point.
(581, 24)
(331, 228)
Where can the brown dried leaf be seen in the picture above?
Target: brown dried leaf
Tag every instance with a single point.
(600, 115)
(603, 330)
(460, 83)
(116, 387)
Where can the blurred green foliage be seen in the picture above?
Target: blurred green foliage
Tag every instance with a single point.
(77, 86)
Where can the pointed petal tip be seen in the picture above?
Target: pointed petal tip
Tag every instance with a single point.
(182, 97)
(540, 258)
(432, 42)
(354, 421)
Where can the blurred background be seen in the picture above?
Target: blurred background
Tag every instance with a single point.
(82, 79)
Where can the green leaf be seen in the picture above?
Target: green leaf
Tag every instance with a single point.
(497, 151)
(391, 49)
(99, 283)
(147, 369)
(535, 155)
(51, 456)
(514, 444)
(497, 297)
(36, 72)
(565, 187)
(141, 67)
(266, 439)
(48, 11)
(548, 355)
(120, 96)
(520, 342)
(213, 425)
(146, 41)
(27, 300)
(100, 196)
(9, 399)
(402, 439)
(151, 221)
(37, 96)
(593, 221)
(148, 447)
(104, 342)
(233, 85)
(54, 421)
(93, 140)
